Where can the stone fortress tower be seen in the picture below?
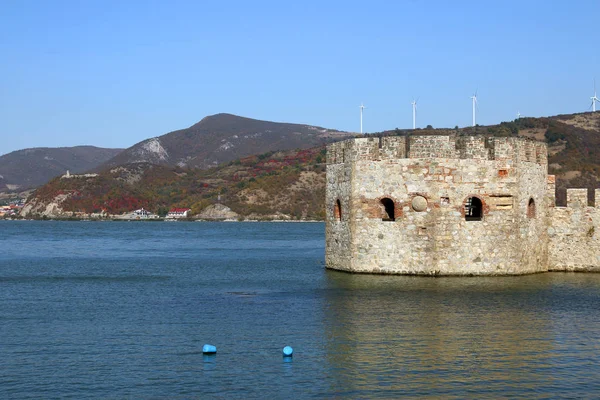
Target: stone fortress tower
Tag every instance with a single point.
(453, 205)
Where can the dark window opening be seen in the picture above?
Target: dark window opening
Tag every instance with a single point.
(337, 211)
(473, 209)
(388, 209)
(531, 208)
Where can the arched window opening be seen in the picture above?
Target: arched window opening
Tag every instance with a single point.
(473, 209)
(337, 210)
(388, 211)
(531, 208)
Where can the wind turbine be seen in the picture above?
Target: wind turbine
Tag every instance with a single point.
(595, 98)
(361, 116)
(474, 98)
(414, 107)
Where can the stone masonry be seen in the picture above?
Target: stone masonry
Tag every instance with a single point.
(453, 205)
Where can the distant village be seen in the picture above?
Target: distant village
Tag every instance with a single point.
(141, 214)
(12, 209)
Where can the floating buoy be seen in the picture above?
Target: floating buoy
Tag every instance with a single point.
(288, 351)
(209, 349)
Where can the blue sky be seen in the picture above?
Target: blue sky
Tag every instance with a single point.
(113, 73)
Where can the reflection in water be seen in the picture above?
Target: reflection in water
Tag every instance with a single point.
(209, 361)
(454, 336)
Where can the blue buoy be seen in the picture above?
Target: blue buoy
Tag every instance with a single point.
(209, 349)
(288, 351)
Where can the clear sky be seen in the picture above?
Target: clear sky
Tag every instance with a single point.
(112, 73)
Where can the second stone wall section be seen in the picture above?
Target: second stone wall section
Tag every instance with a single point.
(574, 234)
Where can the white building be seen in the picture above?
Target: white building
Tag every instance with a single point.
(176, 213)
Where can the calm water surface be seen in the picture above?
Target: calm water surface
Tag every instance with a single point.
(121, 310)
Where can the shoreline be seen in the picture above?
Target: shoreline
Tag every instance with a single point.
(160, 220)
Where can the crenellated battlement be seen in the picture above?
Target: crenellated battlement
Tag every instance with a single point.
(447, 146)
(578, 198)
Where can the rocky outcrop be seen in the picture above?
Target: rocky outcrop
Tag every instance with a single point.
(217, 212)
(39, 208)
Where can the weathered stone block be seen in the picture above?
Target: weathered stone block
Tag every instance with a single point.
(577, 198)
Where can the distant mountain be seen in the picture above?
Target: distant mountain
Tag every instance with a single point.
(221, 138)
(29, 168)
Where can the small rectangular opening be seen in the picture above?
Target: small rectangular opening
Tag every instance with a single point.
(501, 201)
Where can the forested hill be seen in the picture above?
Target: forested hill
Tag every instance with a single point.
(291, 184)
(273, 185)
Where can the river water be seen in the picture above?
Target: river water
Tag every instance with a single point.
(122, 310)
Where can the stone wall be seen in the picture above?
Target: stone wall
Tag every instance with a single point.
(398, 205)
(439, 240)
(338, 239)
(427, 181)
(574, 234)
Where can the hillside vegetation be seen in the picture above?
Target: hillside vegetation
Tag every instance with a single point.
(291, 184)
(288, 184)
